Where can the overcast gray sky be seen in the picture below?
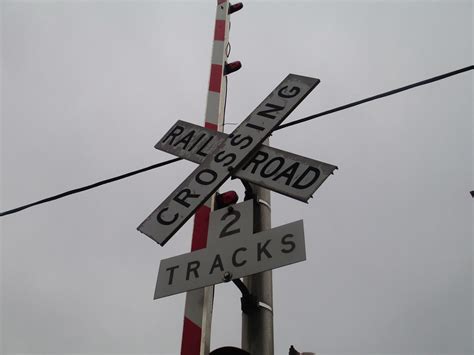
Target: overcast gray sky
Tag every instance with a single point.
(89, 87)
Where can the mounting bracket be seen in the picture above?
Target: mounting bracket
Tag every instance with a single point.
(249, 302)
(249, 193)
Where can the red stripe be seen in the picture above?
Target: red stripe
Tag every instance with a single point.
(219, 30)
(210, 126)
(191, 341)
(201, 226)
(220, 1)
(216, 77)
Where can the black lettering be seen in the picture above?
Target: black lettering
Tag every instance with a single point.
(163, 221)
(200, 150)
(198, 140)
(251, 125)
(200, 180)
(273, 108)
(219, 158)
(235, 141)
(234, 257)
(288, 173)
(171, 270)
(193, 267)
(264, 173)
(225, 231)
(263, 249)
(217, 263)
(257, 159)
(185, 140)
(285, 242)
(173, 134)
(296, 90)
(298, 185)
(182, 196)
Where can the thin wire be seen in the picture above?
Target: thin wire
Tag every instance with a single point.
(88, 187)
(225, 98)
(228, 48)
(225, 104)
(375, 97)
(301, 120)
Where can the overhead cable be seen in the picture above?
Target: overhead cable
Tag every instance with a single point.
(91, 186)
(375, 97)
(292, 123)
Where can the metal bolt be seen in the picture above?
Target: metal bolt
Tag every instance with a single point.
(230, 168)
(230, 208)
(227, 276)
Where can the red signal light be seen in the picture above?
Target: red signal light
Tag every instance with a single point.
(235, 7)
(226, 199)
(232, 67)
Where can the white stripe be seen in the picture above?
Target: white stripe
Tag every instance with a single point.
(193, 306)
(210, 203)
(212, 108)
(222, 10)
(218, 52)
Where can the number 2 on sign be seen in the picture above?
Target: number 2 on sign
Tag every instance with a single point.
(233, 216)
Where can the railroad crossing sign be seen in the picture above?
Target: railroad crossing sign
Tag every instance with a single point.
(227, 158)
(284, 172)
(235, 252)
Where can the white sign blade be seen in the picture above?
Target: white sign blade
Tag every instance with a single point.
(165, 220)
(240, 257)
(277, 170)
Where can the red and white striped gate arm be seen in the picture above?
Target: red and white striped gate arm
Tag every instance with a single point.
(198, 307)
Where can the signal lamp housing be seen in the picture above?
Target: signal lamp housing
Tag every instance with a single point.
(226, 199)
(235, 7)
(232, 67)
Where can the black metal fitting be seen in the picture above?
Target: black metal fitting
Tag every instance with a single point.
(249, 193)
(293, 351)
(227, 276)
(248, 302)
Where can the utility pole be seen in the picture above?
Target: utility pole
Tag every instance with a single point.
(257, 326)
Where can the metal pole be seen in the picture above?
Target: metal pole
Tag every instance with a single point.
(257, 327)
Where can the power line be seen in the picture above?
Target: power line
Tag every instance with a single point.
(375, 97)
(91, 186)
(301, 120)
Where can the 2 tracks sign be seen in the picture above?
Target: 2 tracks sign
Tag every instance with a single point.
(235, 252)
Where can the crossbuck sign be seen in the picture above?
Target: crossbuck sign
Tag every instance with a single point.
(228, 157)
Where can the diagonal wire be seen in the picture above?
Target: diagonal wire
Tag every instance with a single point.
(91, 186)
(375, 97)
(292, 123)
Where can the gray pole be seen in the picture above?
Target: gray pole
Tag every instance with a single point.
(257, 328)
